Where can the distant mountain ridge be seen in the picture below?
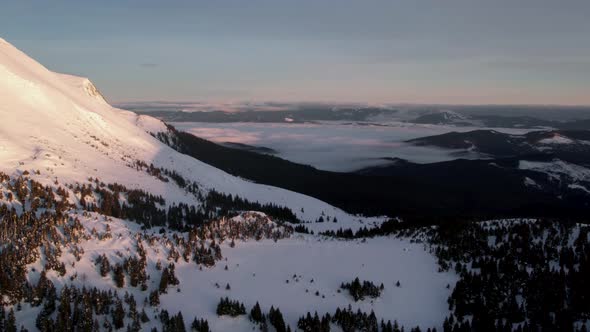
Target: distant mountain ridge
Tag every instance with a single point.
(568, 145)
(299, 115)
(442, 117)
(493, 116)
(474, 119)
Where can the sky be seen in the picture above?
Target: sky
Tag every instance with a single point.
(370, 51)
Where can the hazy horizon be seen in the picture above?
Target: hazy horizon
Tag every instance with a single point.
(263, 102)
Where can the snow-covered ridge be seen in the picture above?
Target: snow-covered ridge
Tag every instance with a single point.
(84, 84)
(557, 170)
(452, 115)
(61, 125)
(556, 139)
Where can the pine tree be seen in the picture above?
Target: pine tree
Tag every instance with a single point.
(264, 325)
(41, 322)
(230, 308)
(256, 313)
(200, 325)
(2, 316)
(154, 298)
(179, 322)
(64, 320)
(118, 315)
(104, 265)
(10, 322)
(276, 319)
(119, 276)
(163, 281)
(143, 316)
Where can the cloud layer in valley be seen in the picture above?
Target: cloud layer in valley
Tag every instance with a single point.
(331, 146)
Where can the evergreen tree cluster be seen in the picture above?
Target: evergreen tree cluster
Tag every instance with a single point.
(350, 321)
(117, 201)
(85, 309)
(173, 323)
(168, 278)
(247, 225)
(152, 170)
(275, 317)
(230, 204)
(302, 229)
(388, 227)
(25, 238)
(515, 275)
(138, 205)
(22, 191)
(133, 267)
(359, 290)
(200, 325)
(7, 320)
(104, 265)
(256, 314)
(48, 232)
(314, 324)
(227, 307)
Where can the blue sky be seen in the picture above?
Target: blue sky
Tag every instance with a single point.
(417, 51)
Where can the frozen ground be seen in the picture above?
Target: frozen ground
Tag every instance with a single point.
(258, 271)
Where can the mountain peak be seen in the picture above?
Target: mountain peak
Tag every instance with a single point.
(61, 125)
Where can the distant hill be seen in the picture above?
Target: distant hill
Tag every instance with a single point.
(568, 145)
(297, 115)
(251, 148)
(443, 117)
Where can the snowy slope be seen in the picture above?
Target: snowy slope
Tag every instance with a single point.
(575, 176)
(258, 271)
(58, 130)
(61, 125)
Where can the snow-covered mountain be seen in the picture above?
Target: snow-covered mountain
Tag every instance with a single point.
(443, 117)
(61, 125)
(81, 182)
(104, 227)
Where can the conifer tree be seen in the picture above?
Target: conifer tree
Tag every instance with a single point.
(119, 276)
(10, 322)
(200, 325)
(118, 315)
(256, 313)
(163, 281)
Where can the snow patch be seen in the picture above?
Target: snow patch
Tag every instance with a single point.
(530, 182)
(556, 139)
(577, 177)
(556, 168)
